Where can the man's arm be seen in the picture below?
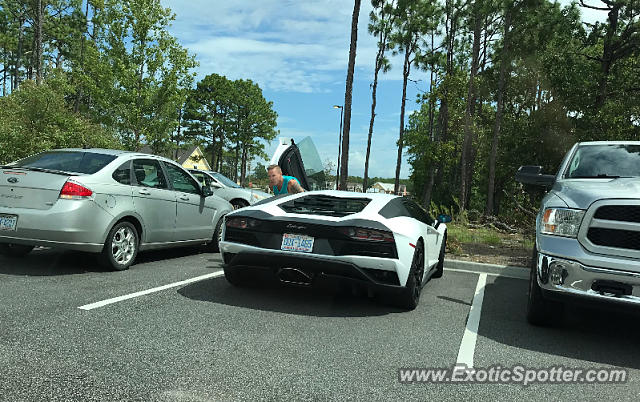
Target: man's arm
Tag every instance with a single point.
(294, 187)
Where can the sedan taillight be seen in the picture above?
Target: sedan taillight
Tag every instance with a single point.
(368, 234)
(73, 190)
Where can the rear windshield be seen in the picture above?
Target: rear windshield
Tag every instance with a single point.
(66, 161)
(325, 205)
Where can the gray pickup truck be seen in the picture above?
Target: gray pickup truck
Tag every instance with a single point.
(587, 231)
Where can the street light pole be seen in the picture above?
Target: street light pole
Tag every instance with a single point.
(339, 145)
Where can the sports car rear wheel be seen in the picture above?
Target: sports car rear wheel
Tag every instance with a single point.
(410, 296)
(234, 277)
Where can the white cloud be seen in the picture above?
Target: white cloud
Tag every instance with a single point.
(295, 46)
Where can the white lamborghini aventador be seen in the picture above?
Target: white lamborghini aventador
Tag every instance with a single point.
(385, 243)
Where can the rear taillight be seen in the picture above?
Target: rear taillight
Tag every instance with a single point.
(241, 223)
(72, 190)
(367, 234)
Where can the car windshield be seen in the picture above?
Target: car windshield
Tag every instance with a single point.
(225, 180)
(66, 161)
(605, 161)
(325, 205)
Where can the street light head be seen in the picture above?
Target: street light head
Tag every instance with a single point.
(337, 107)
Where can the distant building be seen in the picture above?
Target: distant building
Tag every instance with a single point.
(387, 188)
(190, 158)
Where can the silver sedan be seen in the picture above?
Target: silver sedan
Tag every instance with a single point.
(115, 203)
(226, 188)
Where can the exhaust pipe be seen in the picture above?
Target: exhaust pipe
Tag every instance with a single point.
(294, 276)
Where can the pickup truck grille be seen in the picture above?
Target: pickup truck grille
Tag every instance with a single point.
(612, 227)
(623, 213)
(614, 238)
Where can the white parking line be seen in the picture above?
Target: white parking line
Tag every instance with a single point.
(468, 345)
(146, 292)
(515, 275)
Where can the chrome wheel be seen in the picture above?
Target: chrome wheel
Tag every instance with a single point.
(123, 245)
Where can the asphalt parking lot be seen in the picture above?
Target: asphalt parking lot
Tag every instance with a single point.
(172, 329)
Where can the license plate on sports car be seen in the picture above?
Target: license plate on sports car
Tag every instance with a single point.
(8, 222)
(296, 242)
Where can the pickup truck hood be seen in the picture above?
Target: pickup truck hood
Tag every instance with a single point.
(580, 193)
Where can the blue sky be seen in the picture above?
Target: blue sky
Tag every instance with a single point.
(297, 51)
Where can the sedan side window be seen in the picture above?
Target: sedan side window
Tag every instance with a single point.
(202, 178)
(181, 180)
(123, 174)
(148, 173)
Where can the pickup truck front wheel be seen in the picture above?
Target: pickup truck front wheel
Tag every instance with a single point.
(540, 311)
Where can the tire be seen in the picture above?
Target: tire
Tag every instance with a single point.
(234, 277)
(121, 247)
(540, 311)
(238, 203)
(410, 296)
(15, 250)
(214, 245)
(440, 267)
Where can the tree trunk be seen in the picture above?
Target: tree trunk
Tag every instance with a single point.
(504, 64)
(382, 44)
(38, 40)
(344, 163)
(406, 70)
(607, 57)
(19, 52)
(243, 165)
(76, 106)
(465, 166)
(236, 162)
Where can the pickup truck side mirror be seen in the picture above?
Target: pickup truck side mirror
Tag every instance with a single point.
(533, 175)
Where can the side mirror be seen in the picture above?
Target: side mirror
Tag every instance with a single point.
(442, 218)
(533, 175)
(206, 191)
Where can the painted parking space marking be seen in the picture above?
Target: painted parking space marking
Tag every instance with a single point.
(468, 344)
(106, 302)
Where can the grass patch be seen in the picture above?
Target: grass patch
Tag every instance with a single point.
(459, 234)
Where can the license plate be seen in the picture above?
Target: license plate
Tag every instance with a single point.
(296, 242)
(8, 222)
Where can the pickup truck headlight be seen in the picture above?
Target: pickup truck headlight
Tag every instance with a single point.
(561, 222)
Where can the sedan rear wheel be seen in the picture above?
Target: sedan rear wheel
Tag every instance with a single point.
(15, 250)
(214, 245)
(121, 247)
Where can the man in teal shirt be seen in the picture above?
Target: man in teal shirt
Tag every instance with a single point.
(282, 184)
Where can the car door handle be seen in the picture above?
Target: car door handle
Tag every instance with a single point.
(145, 192)
(184, 197)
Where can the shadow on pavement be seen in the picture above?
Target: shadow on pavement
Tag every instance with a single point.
(607, 336)
(268, 295)
(51, 262)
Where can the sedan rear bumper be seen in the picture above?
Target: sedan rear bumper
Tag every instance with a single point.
(72, 224)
